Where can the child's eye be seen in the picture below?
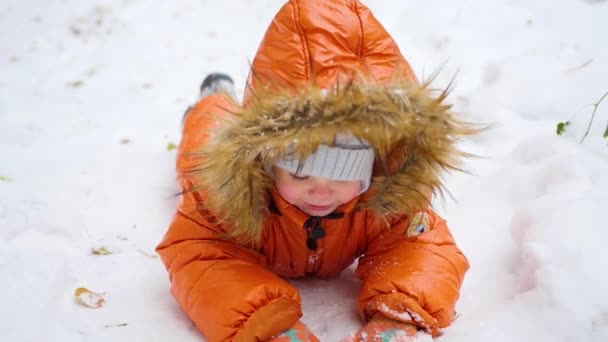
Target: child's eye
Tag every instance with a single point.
(299, 177)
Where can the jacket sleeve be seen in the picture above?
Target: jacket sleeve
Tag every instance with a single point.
(412, 272)
(224, 287)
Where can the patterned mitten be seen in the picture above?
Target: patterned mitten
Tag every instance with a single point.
(382, 329)
(298, 333)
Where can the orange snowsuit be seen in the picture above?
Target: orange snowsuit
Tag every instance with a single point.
(333, 64)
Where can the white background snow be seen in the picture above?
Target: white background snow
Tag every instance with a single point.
(92, 92)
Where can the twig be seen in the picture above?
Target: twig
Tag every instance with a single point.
(593, 116)
(151, 256)
(579, 67)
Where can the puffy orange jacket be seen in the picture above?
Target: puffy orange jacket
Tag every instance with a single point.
(323, 67)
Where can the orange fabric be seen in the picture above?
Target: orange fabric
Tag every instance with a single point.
(325, 43)
(426, 273)
(236, 293)
(198, 125)
(223, 286)
(226, 289)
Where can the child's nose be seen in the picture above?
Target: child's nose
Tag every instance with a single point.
(321, 189)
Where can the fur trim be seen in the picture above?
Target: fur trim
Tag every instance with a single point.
(411, 129)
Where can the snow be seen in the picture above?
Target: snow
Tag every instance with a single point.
(92, 93)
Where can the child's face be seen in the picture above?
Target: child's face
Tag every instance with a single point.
(315, 196)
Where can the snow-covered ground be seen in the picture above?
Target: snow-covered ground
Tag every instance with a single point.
(91, 95)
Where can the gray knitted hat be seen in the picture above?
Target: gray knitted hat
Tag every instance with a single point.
(349, 159)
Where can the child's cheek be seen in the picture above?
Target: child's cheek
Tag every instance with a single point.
(350, 191)
(288, 192)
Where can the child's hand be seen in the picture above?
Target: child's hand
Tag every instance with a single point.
(382, 329)
(298, 333)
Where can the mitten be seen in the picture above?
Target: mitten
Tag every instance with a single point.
(381, 329)
(298, 333)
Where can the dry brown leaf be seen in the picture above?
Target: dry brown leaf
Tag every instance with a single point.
(100, 251)
(89, 298)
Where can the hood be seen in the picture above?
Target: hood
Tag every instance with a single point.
(413, 133)
(325, 68)
(322, 44)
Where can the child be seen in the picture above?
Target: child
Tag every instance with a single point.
(333, 156)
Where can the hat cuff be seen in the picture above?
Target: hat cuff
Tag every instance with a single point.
(345, 163)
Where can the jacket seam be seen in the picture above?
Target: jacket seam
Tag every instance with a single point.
(242, 325)
(304, 41)
(190, 290)
(361, 32)
(362, 37)
(189, 218)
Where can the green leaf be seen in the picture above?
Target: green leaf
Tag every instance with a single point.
(561, 127)
(4, 179)
(171, 146)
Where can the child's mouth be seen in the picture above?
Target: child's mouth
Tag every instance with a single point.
(313, 207)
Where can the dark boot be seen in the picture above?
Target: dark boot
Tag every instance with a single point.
(214, 83)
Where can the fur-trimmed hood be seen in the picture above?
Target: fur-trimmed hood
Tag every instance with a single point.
(326, 68)
(413, 133)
